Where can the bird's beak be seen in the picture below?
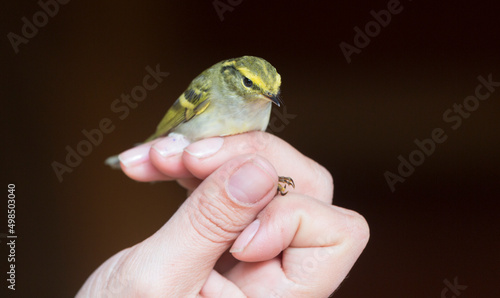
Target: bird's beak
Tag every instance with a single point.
(273, 98)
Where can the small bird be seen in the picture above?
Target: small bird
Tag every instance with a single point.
(231, 97)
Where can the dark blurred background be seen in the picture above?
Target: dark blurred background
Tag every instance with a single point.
(354, 118)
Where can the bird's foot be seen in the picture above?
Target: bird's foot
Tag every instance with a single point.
(282, 187)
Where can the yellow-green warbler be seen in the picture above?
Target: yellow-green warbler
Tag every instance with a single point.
(231, 97)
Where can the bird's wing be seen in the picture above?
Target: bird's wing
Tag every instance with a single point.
(192, 102)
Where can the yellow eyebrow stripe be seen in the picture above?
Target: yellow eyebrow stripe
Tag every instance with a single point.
(255, 79)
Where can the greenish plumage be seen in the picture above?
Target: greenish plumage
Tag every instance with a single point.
(197, 95)
(220, 92)
(231, 97)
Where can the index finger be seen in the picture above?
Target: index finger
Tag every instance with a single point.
(312, 179)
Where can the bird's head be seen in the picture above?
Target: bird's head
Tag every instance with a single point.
(251, 78)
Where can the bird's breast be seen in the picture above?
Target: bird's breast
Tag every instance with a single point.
(227, 118)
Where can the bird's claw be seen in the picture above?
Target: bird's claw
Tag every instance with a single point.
(282, 187)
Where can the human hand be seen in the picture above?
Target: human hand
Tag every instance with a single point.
(188, 255)
(171, 160)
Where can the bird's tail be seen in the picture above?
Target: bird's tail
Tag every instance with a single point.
(113, 162)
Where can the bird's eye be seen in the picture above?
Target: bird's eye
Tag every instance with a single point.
(247, 82)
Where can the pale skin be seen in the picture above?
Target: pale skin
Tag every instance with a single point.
(234, 236)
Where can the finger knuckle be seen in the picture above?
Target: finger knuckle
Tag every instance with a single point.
(258, 141)
(214, 221)
(359, 229)
(324, 179)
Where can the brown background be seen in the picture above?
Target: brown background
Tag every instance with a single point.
(355, 119)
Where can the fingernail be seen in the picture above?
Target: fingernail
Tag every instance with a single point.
(171, 145)
(250, 183)
(135, 156)
(206, 147)
(245, 237)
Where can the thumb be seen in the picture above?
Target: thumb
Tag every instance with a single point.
(209, 221)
